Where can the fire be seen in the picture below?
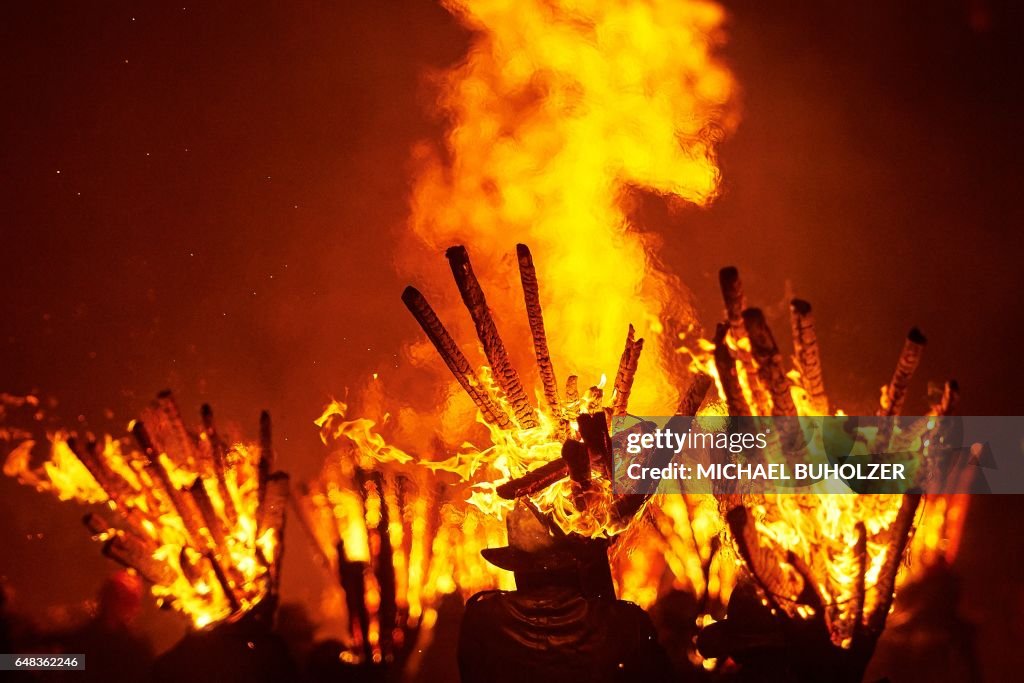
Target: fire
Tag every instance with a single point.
(396, 535)
(822, 552)
(199, 518)
(558, 112)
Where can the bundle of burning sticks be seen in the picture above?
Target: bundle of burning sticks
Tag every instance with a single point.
(561, 461)
(377, 532)
(200, 518)
(825, 565)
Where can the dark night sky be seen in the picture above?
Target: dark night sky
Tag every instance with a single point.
(205, 198)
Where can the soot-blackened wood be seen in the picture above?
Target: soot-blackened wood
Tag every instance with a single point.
(161, 479)
(691, 401)
(950, 399)
(735, 301)
(222, 579)
(384, 569)
(266, 461)
(531, 295)
(504, 374)
(728, 375)
(453, 357)
(594, 430)
(534, 480)
(353, 583)
(572, 397)
(168, 431)
(885, 586)
(626, 372)
(808, 355)
(218, 460)
(896, 391)
(577, 460)
(735, 304)
(860, 552)
(769, 362)
(209, 516)
(131, 552)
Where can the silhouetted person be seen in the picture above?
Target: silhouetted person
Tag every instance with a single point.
(244, 651)
(113, 650)
(562, 623)
(675, 619)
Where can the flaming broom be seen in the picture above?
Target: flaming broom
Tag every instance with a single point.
(826, 566)
(378, 531)
(558, 457)
(199, 517)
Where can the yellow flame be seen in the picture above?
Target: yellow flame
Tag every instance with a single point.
(558, 111)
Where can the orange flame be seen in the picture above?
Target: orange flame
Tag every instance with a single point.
(559, 110)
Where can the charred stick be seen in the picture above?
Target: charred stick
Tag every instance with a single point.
(950, 398)
(572, 397)
(193, 519)
(504, 374)
(625, 506)
(895, 393)
(218, 460)
(741, 527)
(769, 362)
(222, 579)
(353, 583)
(860, 551)
(809, 592)
(577, 460)
(808, 357)
(271, 517)
(691, 401)
(735, 301)
(453, 357)
(162, 480)
(169, 432)
(627, 372)
(266, 461)
(594, 430)
(210, 519)
(531, 294)
(131, 552)
(725, 364)
(900, 533)
(384, 568)
(275, 505)
(534, 480)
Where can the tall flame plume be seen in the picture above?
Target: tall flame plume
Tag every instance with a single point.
(558, 112)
